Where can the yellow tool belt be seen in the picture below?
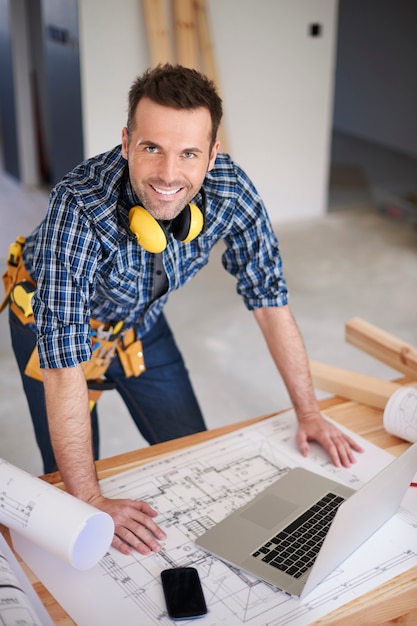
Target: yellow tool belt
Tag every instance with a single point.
(107, 340)
(19, 286)
(125, 345)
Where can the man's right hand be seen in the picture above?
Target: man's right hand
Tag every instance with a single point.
(134, 524)
(69, 420)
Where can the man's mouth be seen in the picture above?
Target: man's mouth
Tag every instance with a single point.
(166, 192)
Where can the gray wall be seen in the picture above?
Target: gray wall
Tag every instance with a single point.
(40, 89)
(64, 134)
(376, 77)
(7, 95)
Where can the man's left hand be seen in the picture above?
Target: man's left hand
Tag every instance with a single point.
(340, 447)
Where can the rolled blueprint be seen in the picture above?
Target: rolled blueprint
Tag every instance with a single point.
(400, 414)
(53, 519)
(19, 604)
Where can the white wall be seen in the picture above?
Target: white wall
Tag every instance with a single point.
(113, 51)
(276, 81)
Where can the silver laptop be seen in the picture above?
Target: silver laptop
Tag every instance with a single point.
(300, 528)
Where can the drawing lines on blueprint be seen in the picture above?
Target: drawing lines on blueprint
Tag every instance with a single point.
(126, 581)
(194, 490)
(190, 496)
(224, 479)
(16, 594)
(408, 517)
(15, 510)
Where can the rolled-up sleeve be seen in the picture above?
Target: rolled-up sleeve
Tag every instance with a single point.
(252, 252)
(64, 261)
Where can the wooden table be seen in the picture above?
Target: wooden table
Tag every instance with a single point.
(392, 603)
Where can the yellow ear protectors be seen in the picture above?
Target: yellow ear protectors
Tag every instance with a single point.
(188, 224)
(152, 235)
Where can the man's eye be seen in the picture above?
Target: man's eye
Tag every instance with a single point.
(189, 155)
(151, 149)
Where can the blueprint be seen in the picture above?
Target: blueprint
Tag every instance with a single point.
(19, 604)
(400, 414)
(53, 518)
(191, 491)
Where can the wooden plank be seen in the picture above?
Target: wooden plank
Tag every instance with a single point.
(158, 32)
(208, 59)
(383, 346)
(185, 33)
(390, 604)
(366, 422)
(352, 385)
(193, 43)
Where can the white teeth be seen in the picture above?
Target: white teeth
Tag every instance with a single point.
(167, 193)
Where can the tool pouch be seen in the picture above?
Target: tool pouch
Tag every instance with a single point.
(94, 369)
(19, 286)
(33, 368)
(10, 276)
(130, 353)
(129, 350)
(103, 353)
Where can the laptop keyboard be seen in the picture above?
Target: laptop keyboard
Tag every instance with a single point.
(294, 549)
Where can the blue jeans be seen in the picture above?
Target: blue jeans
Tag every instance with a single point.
(161, 401)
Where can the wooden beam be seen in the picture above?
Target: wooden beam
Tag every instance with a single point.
(206, 45)
(381, 345)
(158, 32)
(185, 33)
(208, 59)
(352, 385)
(191, 34)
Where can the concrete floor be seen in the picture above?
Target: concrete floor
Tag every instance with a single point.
(352, 262)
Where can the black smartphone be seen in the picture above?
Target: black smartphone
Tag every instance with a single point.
(183, 593)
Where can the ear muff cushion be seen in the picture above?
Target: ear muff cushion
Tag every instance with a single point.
(189, 223)
(150, 234)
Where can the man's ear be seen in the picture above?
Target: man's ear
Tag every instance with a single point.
(125, 141)
(213, 155)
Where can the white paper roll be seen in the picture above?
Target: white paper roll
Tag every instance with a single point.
(53, 519)
(400, 414)
(19, 603)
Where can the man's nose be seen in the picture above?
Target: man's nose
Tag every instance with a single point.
(168, 168)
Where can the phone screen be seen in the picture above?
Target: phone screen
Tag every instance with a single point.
(183, 593)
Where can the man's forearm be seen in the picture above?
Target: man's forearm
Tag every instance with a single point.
(69, 421)
(288, 352)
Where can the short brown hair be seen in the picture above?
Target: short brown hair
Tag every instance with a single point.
(177, 87)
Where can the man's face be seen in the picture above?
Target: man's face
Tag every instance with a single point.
(168, 154)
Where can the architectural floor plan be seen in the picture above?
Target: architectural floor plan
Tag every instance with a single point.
(19, 604)
(194, 489)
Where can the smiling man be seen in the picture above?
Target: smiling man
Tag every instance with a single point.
(169, 152)
(122, 231)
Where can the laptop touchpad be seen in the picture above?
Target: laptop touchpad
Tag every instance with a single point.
(268, 511)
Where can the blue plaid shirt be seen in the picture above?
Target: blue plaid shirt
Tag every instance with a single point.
(87, 263)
